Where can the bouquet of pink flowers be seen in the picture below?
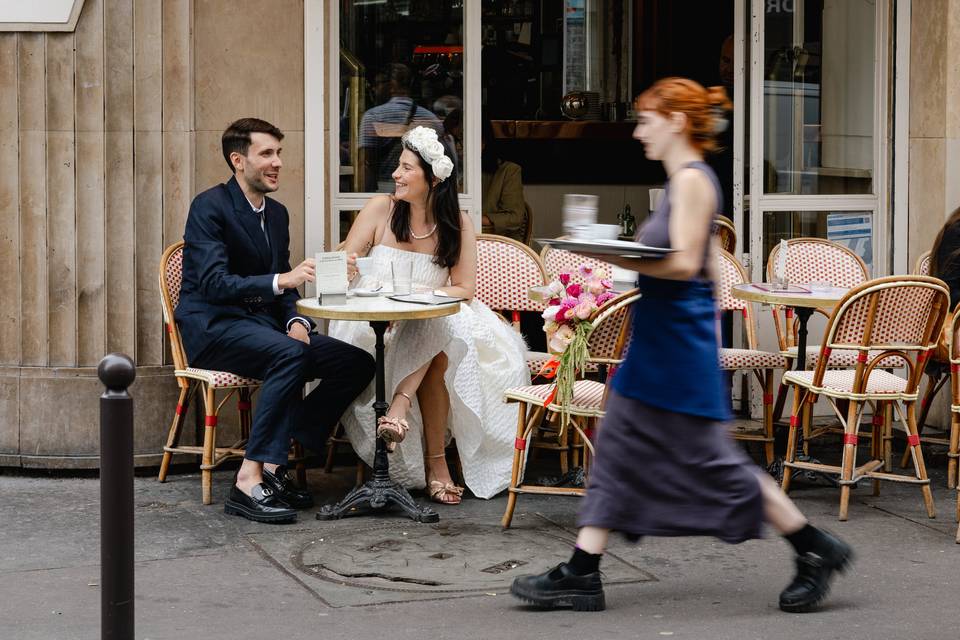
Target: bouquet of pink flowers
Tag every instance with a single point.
(568, 327)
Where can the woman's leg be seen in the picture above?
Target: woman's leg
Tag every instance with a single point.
(778, 509)
(593, 540)
(434, 402)
(819, 554)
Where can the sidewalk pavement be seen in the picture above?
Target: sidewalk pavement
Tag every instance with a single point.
(202, 574)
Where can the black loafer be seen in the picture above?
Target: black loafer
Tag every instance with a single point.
(560, 587)
(814, 572)
(284, 488)
(261, 506)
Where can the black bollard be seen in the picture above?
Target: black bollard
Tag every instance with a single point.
(116, 372)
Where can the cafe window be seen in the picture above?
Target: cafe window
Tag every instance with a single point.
(401, 66)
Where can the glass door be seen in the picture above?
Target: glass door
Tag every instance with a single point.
(818, 138)
(394, 66)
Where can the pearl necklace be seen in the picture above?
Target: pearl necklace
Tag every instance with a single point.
(426, 235)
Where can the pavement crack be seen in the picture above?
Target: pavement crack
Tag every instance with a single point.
(383, 576)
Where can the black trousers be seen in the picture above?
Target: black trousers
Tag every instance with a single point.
(250, 348)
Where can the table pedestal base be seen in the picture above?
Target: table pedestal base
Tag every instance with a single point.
(381, 492)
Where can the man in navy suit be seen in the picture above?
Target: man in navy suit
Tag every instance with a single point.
(237, 313)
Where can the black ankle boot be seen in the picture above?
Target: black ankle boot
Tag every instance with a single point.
(815, 570)
(560, 587)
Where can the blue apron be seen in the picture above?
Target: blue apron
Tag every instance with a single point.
(672, 360)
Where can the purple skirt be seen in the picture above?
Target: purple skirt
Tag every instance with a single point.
(661, 473)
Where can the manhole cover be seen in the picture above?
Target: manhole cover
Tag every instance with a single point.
(449, 557)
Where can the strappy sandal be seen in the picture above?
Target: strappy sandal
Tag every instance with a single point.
(392, 429)
(444, 492)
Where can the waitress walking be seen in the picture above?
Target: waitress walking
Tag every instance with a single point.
(666, 465)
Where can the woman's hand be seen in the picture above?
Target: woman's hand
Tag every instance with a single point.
(352, 270)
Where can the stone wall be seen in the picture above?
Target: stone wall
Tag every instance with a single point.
(106, 134)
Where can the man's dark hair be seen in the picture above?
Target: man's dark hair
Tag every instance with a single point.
(399, 76)
(237, 136)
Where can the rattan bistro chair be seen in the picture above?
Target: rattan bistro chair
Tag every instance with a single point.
(901, 316)
(607, 345)
(726, 234)
(205, 381)
(761, 363)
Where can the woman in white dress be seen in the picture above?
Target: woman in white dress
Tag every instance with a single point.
(447, 374)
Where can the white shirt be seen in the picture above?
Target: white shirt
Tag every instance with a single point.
(276, 277)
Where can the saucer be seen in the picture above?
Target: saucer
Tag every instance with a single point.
(366, 293)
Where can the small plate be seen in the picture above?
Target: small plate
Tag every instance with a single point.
(367, 293)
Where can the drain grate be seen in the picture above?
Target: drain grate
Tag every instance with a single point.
(506, 565)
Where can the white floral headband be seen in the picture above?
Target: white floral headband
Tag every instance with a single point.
(425, 141)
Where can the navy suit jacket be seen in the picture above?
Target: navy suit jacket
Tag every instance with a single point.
(228, 267)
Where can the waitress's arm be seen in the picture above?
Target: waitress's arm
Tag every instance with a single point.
(692, 203)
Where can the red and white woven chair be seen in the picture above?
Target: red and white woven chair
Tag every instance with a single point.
(607, 346)
(506, 271)
(208, 383)
(726, 233)
(761, 363)
(557, 261)
(901, 316)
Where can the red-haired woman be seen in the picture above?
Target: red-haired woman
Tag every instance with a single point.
(666, 465)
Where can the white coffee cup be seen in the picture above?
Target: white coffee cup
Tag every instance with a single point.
(365, 266)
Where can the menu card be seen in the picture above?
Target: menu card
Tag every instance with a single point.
(331, 279)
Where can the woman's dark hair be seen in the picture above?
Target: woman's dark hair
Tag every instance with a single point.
(443, 202)
(490, 156)
(949, 266)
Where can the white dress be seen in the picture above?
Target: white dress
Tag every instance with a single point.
(485, 357)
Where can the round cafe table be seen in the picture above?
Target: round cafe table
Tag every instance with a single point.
(380, 492)
(803, 304)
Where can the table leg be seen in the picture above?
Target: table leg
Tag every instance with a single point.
(803, 315)
(380, 491)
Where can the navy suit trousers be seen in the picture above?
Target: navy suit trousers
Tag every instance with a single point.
(249, 348)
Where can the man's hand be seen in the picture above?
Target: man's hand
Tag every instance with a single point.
(306, 271)
(299, 332)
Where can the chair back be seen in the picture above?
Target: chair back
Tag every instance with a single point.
(922, 267)
(557, 261)
(819, 260)
(729, 274)
(724, 230)
(813, 260)
(896, 315)
(171, 277)
(611, 328)
(506, 270)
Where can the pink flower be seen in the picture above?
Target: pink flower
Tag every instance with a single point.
(553, 302)
(583, 310)
(604, 297)
(573, 290)
(606, 283)
(569, 302)
(585, 271)
(561, 315)
(595, 286)
(564, 279)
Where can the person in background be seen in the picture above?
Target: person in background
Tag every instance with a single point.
(504, 210)
(666, 464)
(382, 126)
(945, 264)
